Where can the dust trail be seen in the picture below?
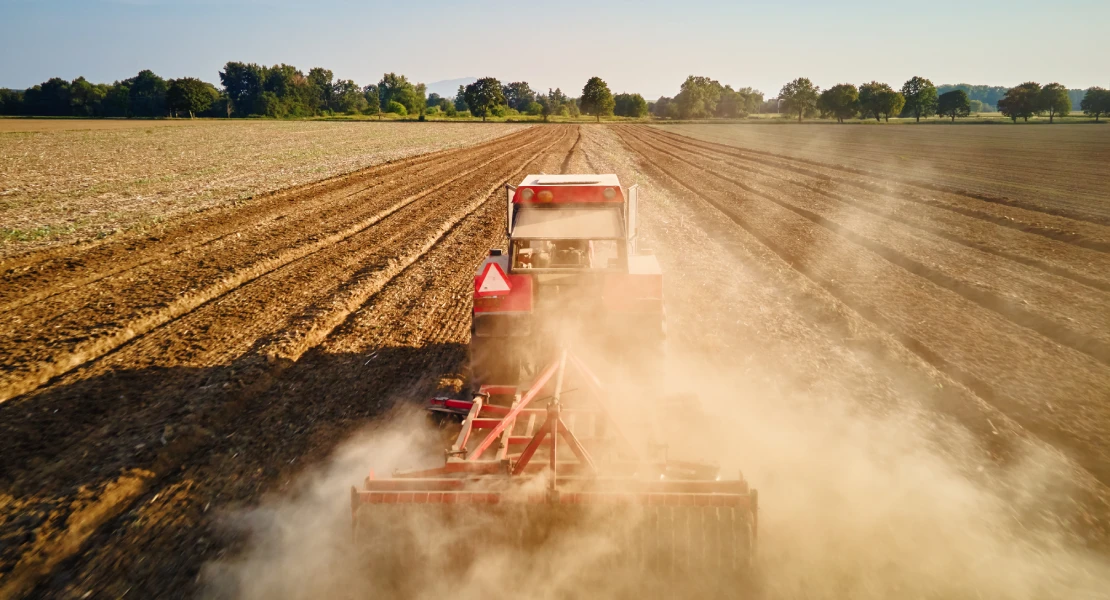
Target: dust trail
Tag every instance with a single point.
(862, 506)
(301, 546)
(866, 491)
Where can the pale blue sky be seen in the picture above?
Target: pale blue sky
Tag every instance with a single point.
(646, 47)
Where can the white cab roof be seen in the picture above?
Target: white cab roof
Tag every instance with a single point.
(606, 179)
(569, 223)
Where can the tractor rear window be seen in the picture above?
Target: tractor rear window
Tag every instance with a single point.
(565, 254)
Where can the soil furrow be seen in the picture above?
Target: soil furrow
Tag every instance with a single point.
(38, 275)
(1058, 258)
(1045, 320)
(267, 318)
(925, 185)
(1052, 391)
(270, 357)
(316, 388)
(1083, 233)
(25, 373)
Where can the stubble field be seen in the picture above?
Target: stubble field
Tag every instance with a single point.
(71, 180)
(912, 368)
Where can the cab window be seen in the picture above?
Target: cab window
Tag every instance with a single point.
(565, 254)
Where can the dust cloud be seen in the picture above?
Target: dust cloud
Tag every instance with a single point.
(853, 505)
(865, 492)
(858, 505)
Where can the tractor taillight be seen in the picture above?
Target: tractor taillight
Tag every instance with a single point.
(546, 196)
(609, 193)
(527, 194)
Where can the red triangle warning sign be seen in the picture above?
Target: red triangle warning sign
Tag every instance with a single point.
(493, 281)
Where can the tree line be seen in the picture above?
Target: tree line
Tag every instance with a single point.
(919, 98)
(249, 89)
(704, 98)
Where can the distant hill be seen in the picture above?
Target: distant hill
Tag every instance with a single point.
(449, 87)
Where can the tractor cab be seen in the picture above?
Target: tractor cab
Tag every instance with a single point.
(566, 223)
(572, 270)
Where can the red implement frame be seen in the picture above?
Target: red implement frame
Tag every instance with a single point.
(470, 476)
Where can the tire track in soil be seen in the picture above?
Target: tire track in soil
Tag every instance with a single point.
(24, 373)
(1017, 387)
(1018, 221)
(257, 374)
(328, 386)
(566, 161)
(1009, 309)
(924, 185)
(983, 244)
(38, 275)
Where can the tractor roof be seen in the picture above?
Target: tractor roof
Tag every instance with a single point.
(569, 189)
(605, 180)
(600, 223)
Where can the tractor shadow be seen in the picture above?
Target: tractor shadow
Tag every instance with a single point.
(138, 463)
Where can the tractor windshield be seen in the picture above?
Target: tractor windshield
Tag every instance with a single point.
(565, 254)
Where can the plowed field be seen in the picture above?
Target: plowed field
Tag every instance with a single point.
(915, 376)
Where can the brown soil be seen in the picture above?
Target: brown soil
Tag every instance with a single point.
(159, 380)
(968, 297)
(1057, 170)
(153, 385)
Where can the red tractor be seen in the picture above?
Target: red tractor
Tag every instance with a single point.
(572, 278)
(543, 453)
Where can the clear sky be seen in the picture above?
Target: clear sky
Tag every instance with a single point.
(648, 46)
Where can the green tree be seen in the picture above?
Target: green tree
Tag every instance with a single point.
(1022, 101)
(148, 94)
(596, 98)
(321, 81)
(629, 105)
(373, 100)
(879, 100)
(954, 104)
(799, 96)
(840, 102)
(396, 108)
(739, 103)
(397, 88)
(484, 96)
(518, 95)
(420, 98)
(891, 103)
(977, 106)
(921, 97)
(51, 98)
(1096, 102)
(698, 97)
(552, 103)
(189, 95)
(349, 98)
(11, 102)
(571, 108)
(117, 103)
(1054, 100)
(85, 98)
(987, 94)
(460, 99)
(243, 83)
(665, 108)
